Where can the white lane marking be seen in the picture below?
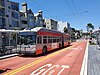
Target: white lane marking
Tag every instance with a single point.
(42, 70)
(56, 66)
(51, 72)
(63, 67)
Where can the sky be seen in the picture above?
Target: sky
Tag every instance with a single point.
(76, 12)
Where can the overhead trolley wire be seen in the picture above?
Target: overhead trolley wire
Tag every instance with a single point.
(69, 6)
(43, 8)
(74, 6)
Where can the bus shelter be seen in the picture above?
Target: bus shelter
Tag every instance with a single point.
(8, 40)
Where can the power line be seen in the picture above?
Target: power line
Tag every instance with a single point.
(38, 7)
(49, 13)
(78, 13)
(69, 6)
(31, 3)
(43, 8)
(74, 6)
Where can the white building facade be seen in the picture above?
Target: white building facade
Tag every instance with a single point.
(51, 24)
(61, 26)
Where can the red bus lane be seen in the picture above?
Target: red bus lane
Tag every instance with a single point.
(67, 61)
(69, 65)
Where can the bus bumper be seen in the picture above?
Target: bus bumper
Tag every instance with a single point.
(26, 52)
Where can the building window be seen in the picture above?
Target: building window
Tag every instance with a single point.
(2, 12)
(15, 15)
(24, 22)
(2, 21)
(15, 23)
(47, 22)
(15, 7)
(51, 27)
(8, 7)
(31, 17)
(1, 2)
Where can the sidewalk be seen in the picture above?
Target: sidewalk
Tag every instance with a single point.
(7, 56)
(93, 60)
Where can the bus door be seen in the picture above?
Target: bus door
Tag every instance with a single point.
(62, 39)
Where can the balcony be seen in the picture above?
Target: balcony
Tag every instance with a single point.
(2, 11)
(1, 2)
(23, 18)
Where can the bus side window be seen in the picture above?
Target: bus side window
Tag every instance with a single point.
(39, 40)
(49, 39)
(59, 40)
(44, 39)
(54, 39)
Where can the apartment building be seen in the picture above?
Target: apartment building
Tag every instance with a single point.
(39, 21)
(27, 17)
(2, 13)
(61, 26)
(51, 24)
(9, 15)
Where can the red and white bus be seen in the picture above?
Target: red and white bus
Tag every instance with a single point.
(40, 40)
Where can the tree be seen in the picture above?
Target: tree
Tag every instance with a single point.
(65, 30)
(73, 29)
(89, 27)
(73, 33)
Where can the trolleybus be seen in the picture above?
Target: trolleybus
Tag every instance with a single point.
(41, 40)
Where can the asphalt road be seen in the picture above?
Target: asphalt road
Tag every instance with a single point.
(66, 61)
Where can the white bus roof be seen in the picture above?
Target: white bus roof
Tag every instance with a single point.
(32, 30)
(4, 30)
(37, 29)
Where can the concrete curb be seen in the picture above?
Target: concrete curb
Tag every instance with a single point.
(8, 56)
(85, 60)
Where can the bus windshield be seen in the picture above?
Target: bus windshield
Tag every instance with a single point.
(27, 39)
